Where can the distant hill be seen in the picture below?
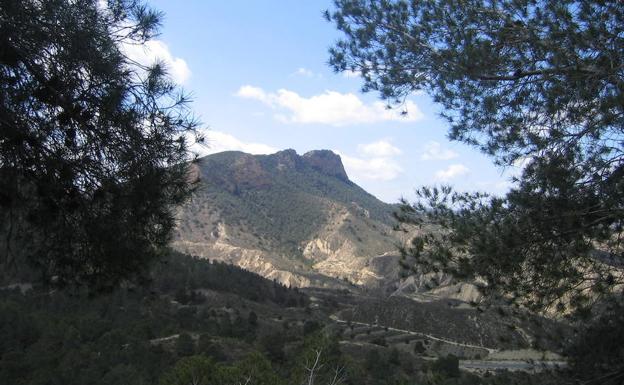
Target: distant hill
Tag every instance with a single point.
(294, 218)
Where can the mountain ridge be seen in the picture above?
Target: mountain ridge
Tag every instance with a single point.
(300, 220)
(295, 218)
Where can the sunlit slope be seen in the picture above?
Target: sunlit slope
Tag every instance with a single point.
(298, 219)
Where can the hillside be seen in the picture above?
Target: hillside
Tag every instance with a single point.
(294, 218)
(136, 333)
(299, 221)
(241, 325)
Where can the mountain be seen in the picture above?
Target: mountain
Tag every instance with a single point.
(294, 218)
(301, 221)
(298, 219)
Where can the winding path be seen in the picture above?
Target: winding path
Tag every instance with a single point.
(489, 350)
(474, 365)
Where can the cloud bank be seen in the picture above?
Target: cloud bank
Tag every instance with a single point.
(376, 162)
(331, 107)
(216, 141)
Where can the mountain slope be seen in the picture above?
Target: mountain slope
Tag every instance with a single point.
(297, 219)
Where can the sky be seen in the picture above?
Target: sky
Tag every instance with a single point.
(258, 76)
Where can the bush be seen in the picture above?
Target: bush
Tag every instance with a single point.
(310, 327)
(447, 366)
(185, 346)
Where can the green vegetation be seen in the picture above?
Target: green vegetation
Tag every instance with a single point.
(447, 366)
(91, 160)
(214, 332)
(249, 190)
(527, 82)
(200, 370)
(184, 276)
(135, 333)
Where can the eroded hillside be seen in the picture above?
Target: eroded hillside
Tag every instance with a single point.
(297, 219)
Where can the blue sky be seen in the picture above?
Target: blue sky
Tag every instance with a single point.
(258, 75)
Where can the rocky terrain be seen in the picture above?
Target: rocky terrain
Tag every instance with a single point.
(299, 220)
(296, 219)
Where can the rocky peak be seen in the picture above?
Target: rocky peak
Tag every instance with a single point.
(288, 153)
(287, 159)
(326, 162)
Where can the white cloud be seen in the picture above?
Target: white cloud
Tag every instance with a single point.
(251, 92)
(381, 148)
(522, 162)
(376, 163)
(304, 72)
(156, 50)
(150, 52)
(518, 166)
(351, 73)
(451, 172)
(216, 141)
(331, 107)
(380, 169)
(434, 151)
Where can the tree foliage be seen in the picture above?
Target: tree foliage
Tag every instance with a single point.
(532, 83)
(602, 338)
(524, 81)
(92, 144)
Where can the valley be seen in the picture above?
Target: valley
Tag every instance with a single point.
(482, 342)
(277, 258)
(300, 221)
(335, 192)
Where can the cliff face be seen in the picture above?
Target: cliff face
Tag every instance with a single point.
(296, 219)
(327, 163)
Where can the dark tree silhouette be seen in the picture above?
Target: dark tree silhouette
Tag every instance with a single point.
(533, 82)
(93, 154)
(524, 81)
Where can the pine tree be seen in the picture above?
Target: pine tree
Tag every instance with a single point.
(524, 81)
(93, 155)
(538, 83)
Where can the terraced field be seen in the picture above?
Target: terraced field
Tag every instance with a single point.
(420, 343)
(363, 325)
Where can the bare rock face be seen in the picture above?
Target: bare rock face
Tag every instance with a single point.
(326, 162)
(255, 260)
(432, 286)
(463, 291)
(288, 160)
(347, 244)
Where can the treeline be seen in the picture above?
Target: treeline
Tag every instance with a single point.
(185, 275)
(61, 338)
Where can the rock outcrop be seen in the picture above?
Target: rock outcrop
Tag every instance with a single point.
(326, 162)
